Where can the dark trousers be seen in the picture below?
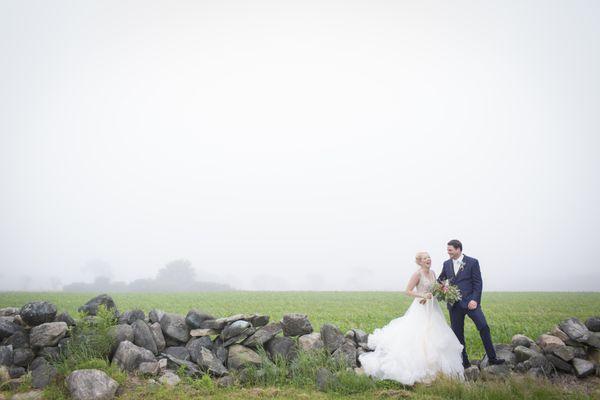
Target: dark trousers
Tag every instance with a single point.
(457, 322)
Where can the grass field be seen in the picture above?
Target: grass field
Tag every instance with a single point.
(507, 313)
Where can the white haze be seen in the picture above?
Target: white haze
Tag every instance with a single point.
(294, 145)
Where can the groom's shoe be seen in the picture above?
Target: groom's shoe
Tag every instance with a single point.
(496, 361)
(466, 365)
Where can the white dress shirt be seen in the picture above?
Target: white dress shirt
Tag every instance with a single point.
(456, 263)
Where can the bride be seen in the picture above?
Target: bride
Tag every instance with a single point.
(419, 345)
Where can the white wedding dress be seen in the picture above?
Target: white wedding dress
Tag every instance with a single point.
(415, 347)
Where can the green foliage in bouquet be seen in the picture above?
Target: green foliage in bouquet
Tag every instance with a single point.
(446, 292)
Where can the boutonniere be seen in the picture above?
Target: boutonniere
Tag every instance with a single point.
(461, 265)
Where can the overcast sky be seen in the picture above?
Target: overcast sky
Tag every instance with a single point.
(300, 144)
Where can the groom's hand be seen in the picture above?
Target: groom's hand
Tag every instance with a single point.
(472, 305)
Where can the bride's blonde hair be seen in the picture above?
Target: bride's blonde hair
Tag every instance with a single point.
(420, 255)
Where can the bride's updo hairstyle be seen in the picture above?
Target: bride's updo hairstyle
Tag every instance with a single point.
(420, 255)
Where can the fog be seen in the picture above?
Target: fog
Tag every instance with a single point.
(296, 145)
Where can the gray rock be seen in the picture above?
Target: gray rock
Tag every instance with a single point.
(120, 333)
(523, 353)
(91, 307)
(16, 372)
(282, 346)
(594, 340)
(237, 317)
(295, 324)
(220, 351)
(547, 342)
(565, 353)
(155, 315)
(129, 317)
(9, 311)
(240, 356)
(42, 373)
(491, 372)
(592, 355)
(203, 332)
(190, 368)
(361, 337)
(8, 328)
(38, 312)
(559, 364)
(503, 351)
(593, 324)
(349, 335)
(235, 329)
(472, 373)
(541, 362)
(149, 368)
(174, 327)
(347, 353)
(311, 341)
(6, 355)
(259, 320)
(325, 379)
(240, 338)
(583, 368)
(575, 330)
(17, 340)
(173, 342)
(66, 318)
(196, 345)
(556, 331)
(128, 356)
(169, 378)
(226, 381)
(91, 384)
(47, 334)
(214, 324)
(158, 336)
(210, 363)
(521, 340)
(578, 332)
(50, 353)
(332, 337)
(580, 352)
(262, 335)
(179, 352)
(194, 318)
(23, 356)
(142, 336)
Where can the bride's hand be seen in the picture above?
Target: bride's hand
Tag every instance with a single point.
(428, 296)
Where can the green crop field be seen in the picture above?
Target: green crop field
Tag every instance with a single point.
(508, 313)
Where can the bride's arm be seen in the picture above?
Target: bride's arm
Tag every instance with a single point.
(412, 283)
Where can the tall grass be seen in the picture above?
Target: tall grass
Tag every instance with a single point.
(90, 339)
(301, 373)
(88, 347)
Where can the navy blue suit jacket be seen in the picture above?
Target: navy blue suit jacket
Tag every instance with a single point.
(468, 280)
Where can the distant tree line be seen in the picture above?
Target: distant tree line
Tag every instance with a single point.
(176, 276)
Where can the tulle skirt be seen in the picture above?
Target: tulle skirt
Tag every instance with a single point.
(416, 347)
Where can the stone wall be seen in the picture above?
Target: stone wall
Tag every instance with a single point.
(159, 343)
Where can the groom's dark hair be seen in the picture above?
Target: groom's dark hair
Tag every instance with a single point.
(456, 244)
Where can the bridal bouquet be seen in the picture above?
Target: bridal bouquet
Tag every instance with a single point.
(446, 292)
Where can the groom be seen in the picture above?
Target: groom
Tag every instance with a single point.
(463, 271)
